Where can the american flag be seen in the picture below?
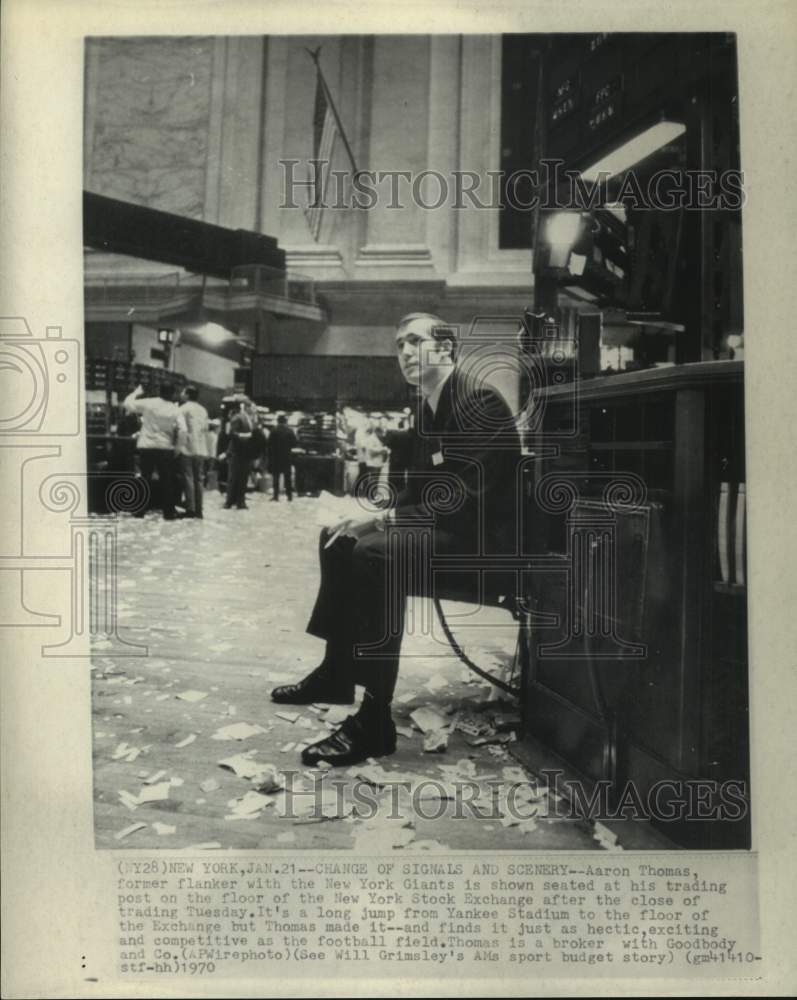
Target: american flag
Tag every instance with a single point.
(327, 128)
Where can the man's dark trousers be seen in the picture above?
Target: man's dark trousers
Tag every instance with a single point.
(282, 470)
(362, 597)
(238, 476)
(162, 461)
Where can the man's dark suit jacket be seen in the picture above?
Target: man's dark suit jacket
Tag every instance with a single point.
(280, 444)
(471, 446)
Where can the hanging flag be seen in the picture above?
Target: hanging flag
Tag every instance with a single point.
(327, 128)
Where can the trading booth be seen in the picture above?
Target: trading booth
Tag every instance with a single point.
(635, 472)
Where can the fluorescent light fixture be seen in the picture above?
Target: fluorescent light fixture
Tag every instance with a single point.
(635, 150)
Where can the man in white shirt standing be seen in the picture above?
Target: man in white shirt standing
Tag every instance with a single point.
(192, 444)
(157, 440)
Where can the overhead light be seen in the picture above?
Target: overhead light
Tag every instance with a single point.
(635, 150)
(563, 228)
(212, 333)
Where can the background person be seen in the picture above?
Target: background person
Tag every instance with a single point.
(192, 443)
(157, 441)
(280, 456)
(238, 460)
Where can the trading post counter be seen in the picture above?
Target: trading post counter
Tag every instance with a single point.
(638, 672)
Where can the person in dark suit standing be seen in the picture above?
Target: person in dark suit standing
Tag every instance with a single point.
(238, 453)
(280, 455)
(460, 499)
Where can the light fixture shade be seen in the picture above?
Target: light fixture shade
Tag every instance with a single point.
(634, 150)
(563, 228)
(213, 333)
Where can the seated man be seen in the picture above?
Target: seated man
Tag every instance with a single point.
(459, 500)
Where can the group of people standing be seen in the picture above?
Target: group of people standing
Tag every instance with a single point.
(172, 443)
(244, 442)
(177, 442)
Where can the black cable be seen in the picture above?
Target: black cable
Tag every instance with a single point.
(463, 656)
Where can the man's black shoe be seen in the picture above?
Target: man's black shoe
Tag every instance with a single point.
(320, 685)
(352, 743)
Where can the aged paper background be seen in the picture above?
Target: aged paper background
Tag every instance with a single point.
(57, 906)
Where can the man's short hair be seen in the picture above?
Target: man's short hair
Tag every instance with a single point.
(166, 391)
(192, 392)
(282, 419)
(440, 330)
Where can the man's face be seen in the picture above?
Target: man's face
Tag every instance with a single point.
(418, 351)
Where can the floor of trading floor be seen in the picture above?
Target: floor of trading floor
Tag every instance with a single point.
(189, 750)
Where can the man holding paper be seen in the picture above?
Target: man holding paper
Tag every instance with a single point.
(460, 499)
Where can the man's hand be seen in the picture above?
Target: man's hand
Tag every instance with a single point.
(354, 527)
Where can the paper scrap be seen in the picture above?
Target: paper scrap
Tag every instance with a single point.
(435, 683)
(154, 793)
(248, 806)
(163, 829)
(435, 741)
(155, 776)
(128, 799)
(269, 779)
(185, 742)
(428, 720)
(133, 828)
(192, 695)
(336, 714)
(237, 731)
(244, 766)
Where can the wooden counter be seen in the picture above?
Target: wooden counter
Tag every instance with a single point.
(638, 484)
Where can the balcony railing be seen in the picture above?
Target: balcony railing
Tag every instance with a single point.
(120, 291)
(135, 289)
(259, 279)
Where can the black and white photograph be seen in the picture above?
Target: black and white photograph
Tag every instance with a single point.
(395, 409)
(422, 359)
